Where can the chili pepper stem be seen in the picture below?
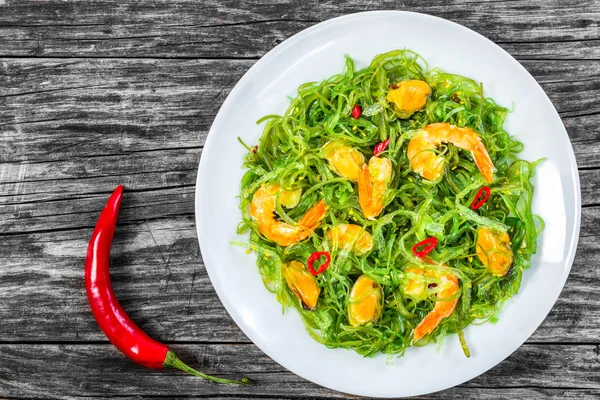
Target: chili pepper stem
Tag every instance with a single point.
(173, 361)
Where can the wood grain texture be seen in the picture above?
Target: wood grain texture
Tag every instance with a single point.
(57, 109)
(99, 369)
(456, 393)
(248, 29)
(93, 94)
(162, 284)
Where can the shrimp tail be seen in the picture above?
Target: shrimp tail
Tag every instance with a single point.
(427, 325)
(313, 217)
(442, 309)
(484, 162)
(365, 197)
(431, 165)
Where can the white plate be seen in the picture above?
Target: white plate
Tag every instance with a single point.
(317, 53)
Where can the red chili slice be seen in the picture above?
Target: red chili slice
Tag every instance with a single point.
(356, 111)
(314, 257)
(380, 147)
(481, 197)
(429, 244)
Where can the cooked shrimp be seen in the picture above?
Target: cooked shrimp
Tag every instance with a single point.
(373, 182)
(373, 179)
(364, 304)
(345, 160)
(408, 97)
(302, 283)
(351, 237)
(425, 161)
(443, 308)
(262, 209)
(493, 249)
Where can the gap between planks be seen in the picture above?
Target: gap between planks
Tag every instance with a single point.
(229, 343)
(234, 58)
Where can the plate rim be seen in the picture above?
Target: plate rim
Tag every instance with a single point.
(572, 245)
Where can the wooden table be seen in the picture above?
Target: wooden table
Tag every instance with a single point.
(99, 93)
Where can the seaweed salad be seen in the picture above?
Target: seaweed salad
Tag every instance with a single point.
(388, 205)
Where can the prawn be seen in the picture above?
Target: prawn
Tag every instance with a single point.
(444, 307)
(493, 249)
(373, 178)
(425, 161)
(345, 160)
(408, 97)
(262, 209)
(351, 237)
(373, 182)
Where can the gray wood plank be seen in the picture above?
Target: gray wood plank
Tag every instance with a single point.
(159, 278)
(65, 109)
(160, 28)
(456, 393)
(57, 109)
(157, 275)
(97, 370)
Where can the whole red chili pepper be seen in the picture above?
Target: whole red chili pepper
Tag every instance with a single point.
(380, 147)
(481, 197)
(429, 244)
(356, 111)
(112, 319)
(314, 257)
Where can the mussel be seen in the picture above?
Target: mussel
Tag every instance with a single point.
(302, 283)
(365, 302)
(493, 249)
